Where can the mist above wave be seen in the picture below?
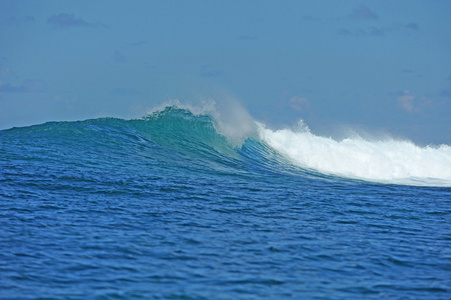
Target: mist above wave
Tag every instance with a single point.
(231, 119)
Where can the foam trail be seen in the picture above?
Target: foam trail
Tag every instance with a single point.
(386, 161)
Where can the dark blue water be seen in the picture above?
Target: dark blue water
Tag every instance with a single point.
(167, 208)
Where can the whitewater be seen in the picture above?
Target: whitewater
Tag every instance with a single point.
(385, 161)
(204, 202)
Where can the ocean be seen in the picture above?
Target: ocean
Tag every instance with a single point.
(196, 204)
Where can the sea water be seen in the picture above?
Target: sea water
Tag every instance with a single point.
(185, 204)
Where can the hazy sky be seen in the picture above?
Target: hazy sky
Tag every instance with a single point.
(378, 66)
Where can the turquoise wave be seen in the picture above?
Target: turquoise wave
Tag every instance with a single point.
(183, 139)
(173, 135)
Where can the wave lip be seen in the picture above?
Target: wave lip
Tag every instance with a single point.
(230, 119)
(386, 161)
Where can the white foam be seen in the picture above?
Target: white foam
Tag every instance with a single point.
(387, 161)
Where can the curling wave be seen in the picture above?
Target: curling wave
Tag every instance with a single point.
(230, 142)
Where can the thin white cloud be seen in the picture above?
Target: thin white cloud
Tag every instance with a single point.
(362, 13)
(64, 20)
(300, 104)
(406, 101)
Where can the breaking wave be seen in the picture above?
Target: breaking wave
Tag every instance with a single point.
(232, 141)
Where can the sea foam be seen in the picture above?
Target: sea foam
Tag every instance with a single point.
(386, 161)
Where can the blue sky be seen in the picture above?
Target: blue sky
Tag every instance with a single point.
(383, 67)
